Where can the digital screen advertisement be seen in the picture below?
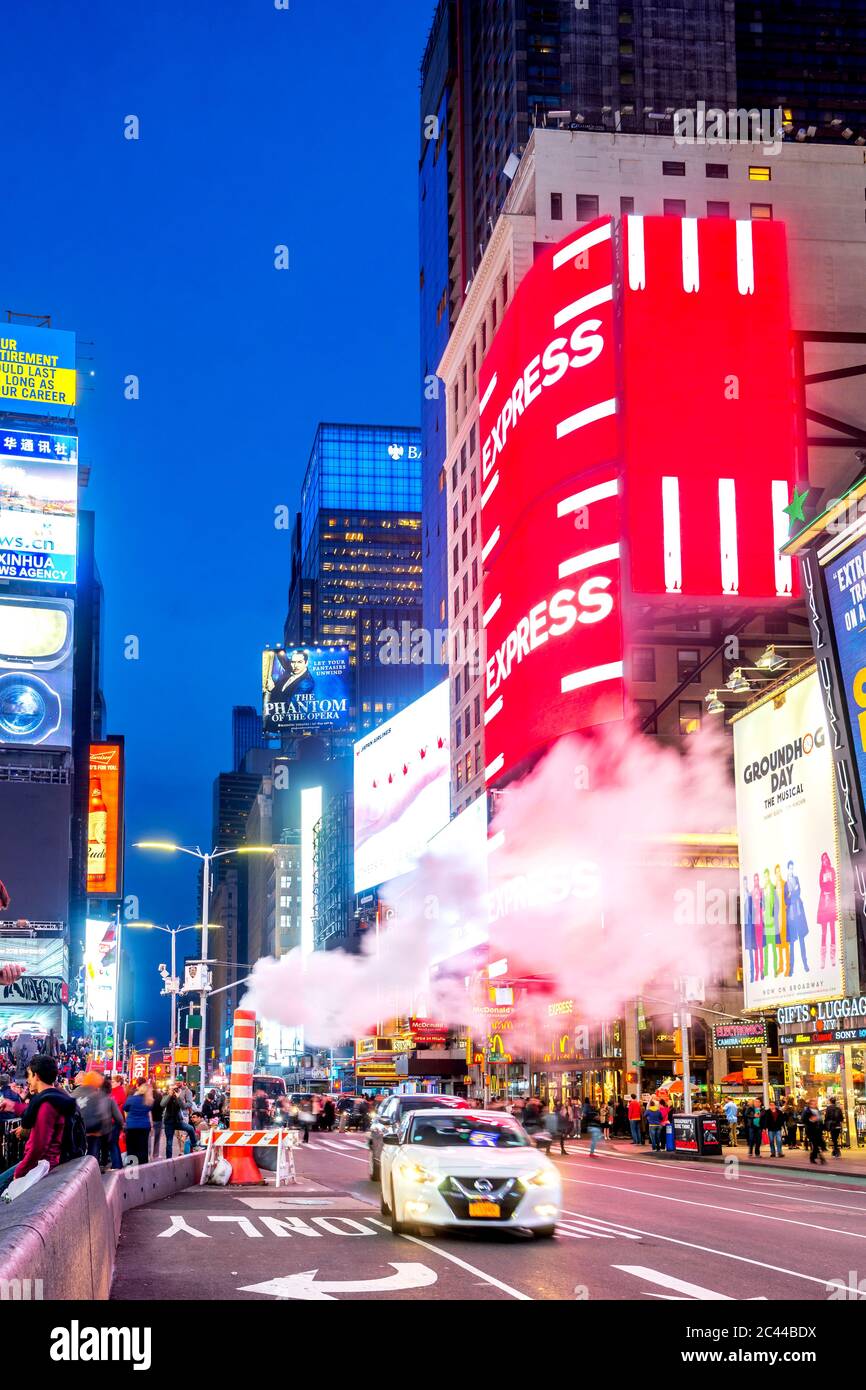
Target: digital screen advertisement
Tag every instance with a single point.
(38, 506)
(845, 583)
(37, 369)
(306, 690)
(734, 1036)
(105, 820)
(402, 780)
(100, 971)
(35, 672)
(33, 1020)
(789, 853)
(549, 430)
(708, 470)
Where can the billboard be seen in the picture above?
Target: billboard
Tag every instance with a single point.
(35, 672)
(306, 690)
(845, 581)
(402, 781)
(100, 971)
(36, 1021)
(105, 820)
(549, 422)
(710, 425)
(37, 370)
(789, 851)
(744, 1033)
(38, 506)
(34, 856)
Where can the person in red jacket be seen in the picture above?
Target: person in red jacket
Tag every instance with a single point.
(635, 1115)
(44, 1119)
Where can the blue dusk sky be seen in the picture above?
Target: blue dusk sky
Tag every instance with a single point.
(258, 127)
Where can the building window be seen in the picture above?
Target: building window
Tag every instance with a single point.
(459, 775)
(458, 731)
(760, 173)
(676, 168)
(478, 757)
(586, 207)
(463, 453)
(454, 476)
(717, 171)
(473, 527)
(473, 483)
(464, 502)
(761, 212)
(556, 207)
(466, 588)
(690, 716)
(467, 720)
(687, 659)
(643, 710)
(626, 206)
(718, 209)
(474, 575)
(456, 608)
(458, 686)
(469, 766)
(464, 544)
(455, 516)
(472, 435)
(484, 337)
(675, 207)
(477, 712)
(643, 664)
(456, 559)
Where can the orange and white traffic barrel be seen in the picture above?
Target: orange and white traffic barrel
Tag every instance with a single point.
(244, 1167)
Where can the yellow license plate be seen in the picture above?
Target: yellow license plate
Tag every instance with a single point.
(484, 1209)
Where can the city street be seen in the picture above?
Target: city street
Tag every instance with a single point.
(632, 1228)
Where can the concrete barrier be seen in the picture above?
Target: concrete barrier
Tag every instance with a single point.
(64, 1231)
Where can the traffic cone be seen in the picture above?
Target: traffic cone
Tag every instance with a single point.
(244, 1166)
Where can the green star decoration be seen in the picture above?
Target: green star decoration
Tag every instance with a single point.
(794, 508)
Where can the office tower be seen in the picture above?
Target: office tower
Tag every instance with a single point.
(490, 74)
(807, 59)
(246, 734)
(356, 557)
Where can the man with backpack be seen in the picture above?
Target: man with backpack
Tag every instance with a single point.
(49, 1120)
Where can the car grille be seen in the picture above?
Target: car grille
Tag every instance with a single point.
(458, 1192)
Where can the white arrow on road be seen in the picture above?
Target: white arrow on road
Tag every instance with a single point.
(307, 1286)
(682, 1288)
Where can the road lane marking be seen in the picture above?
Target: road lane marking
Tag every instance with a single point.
(747, 1172)
(336, 1203)
(306, 1286)
(470, 1269)
(733, 1211)
(339, 1149)
(727, 1255)
(741, 1180)
(606, 1228)
(681, 1286)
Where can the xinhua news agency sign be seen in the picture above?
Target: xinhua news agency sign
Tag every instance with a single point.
(735, 1036)
(591, 445)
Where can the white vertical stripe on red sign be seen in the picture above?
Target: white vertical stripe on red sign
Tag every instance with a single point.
(728, 536)
(578, 500)
(490, 489)
(492, 610)
(779, 494)
(582, 306)
(691, 260)
(492, 711)
(593, 675)
(492, 768)
(485, 399)
(672, 539)
(490, 544)
(585, 417)
(581, 244)
(745, 258)
(599, 556)
(636, 254)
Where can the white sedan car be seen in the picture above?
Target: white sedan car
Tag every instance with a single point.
(467, 1168)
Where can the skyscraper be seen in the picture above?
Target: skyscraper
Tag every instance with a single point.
(491, 72)
(356, 556)
(246, 734)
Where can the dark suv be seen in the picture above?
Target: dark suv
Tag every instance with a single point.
(393, 1110)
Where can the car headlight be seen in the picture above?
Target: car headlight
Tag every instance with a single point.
(415, 1172)
(542, 1177)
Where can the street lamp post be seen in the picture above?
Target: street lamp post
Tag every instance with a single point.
(206, 860)
(172, 984)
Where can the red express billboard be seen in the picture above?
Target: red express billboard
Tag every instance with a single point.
(709, 407)
(550, 511)
(642, 413)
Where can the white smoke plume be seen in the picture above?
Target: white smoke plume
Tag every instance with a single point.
(583, 896)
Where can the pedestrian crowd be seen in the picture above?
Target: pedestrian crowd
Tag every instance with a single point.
(794, 1125)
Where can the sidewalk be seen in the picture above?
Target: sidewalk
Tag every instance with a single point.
(852, 1163)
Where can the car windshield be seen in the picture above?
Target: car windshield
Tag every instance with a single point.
(408, 1103)
(467, 1131)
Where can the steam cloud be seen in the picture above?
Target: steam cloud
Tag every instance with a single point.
(583, 896)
